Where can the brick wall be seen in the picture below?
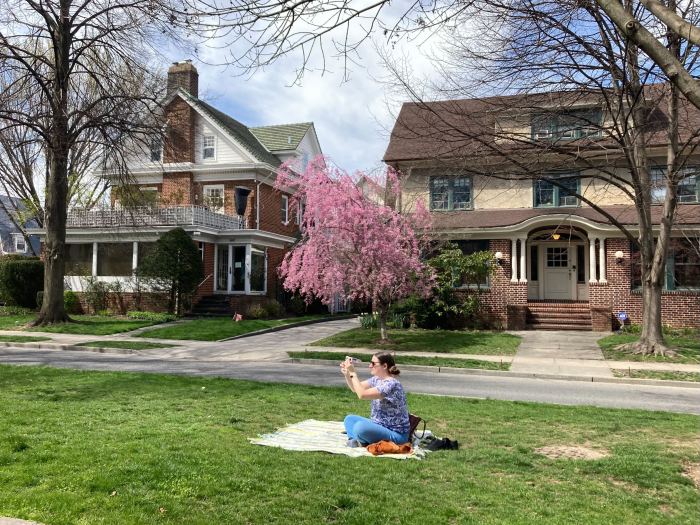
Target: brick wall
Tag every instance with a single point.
(207, 288)
(678, 308)
(179, 142)
(177, 189)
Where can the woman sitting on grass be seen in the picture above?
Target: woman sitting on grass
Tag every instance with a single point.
(389, 409)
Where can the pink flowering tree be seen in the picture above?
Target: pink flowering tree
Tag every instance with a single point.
(351, 245)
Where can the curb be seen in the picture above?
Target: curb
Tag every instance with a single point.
(286, 327)
(69, 348)
(505, 373)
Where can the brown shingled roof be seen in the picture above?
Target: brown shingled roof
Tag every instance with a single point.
(466, 128)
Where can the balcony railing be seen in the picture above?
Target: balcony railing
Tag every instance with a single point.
(153, 216)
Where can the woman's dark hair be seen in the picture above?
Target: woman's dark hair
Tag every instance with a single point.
(387, 359)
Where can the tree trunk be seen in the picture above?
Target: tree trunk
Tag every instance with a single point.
(383, 313)
(58, 151)
(52, 308)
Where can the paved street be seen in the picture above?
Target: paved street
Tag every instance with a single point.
(604, 394)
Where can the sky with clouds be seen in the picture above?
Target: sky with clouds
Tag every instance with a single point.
(353, 116)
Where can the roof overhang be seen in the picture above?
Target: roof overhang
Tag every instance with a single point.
(523, 228)
(198, 233)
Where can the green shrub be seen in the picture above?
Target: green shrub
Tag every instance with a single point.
(14, 310)
(20, 280)
(297, 305)
(274, 309)
(96, 294)
(157, 317)
(256, 311)
(369, 321)
(71, 302)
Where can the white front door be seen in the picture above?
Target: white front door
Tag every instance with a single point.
(558, 277)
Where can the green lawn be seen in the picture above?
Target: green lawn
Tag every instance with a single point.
(408, 360)
(217, 328)
(103, 448)
(83, 324)
(685, 342)
(440, 341)
(22, 339)
(131, 345)
(657, 374)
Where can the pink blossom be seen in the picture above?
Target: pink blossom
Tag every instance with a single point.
(351, 246)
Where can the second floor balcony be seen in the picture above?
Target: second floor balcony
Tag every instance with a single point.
(140, 216)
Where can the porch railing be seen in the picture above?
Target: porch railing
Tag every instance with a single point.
(153, 216)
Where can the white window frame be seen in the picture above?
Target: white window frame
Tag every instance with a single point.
(285, 209)
(223, 197)
(300, 212)
(211, 147)
(18, 237)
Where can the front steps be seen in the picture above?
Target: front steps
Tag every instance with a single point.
(559, 315)
(212, 306)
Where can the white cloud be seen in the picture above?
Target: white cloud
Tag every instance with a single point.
(353, 116)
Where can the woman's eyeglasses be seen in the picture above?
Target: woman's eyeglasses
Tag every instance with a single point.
(374, 363)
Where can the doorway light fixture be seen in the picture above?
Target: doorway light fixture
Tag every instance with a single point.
(619, 257)
(555, 236)
(499, 258)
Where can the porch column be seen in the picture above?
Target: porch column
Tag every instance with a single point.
(94, 260)
(514, 260)
(135, 257)
(591, 260)
(601, 257)
(523, 265)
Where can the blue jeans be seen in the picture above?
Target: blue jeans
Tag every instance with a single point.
(366, 431)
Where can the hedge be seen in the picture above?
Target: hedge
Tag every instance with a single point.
(20, 280)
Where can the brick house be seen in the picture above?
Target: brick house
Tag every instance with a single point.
(212, 176)
(559, 263)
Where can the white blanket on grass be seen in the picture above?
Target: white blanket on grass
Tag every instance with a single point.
(324, 436)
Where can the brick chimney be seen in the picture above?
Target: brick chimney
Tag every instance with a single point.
(183, 75)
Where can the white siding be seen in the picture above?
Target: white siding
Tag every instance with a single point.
(227, 151)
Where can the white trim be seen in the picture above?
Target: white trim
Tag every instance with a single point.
(285, 207)
(514, 260)
(523, 250)
(19, 237)
(94, 259)
(221, 187)
(214, 147)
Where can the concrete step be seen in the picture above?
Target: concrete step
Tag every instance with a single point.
(559, 326)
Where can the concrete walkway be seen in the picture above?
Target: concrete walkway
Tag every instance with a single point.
(565, 353)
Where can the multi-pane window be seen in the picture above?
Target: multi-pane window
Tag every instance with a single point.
(258, 269)
(284, 212)
(688, 186)
(682, 265)
(208, 147)
(567, 125)
(214, 198)
(450, 193)
(20, 243)
(557, 257)
(156, 149)
(564, 194)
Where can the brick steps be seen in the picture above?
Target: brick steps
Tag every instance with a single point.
(212, 306)
(565, 315)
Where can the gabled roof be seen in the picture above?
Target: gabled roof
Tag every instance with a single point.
(470, 128)
(238, 131)
(282, 137)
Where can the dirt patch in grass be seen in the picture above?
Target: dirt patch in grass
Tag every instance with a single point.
(571, 452)
(692, 471)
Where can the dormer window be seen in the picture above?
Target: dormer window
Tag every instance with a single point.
(20, 243)
(450, 193)
(566, 125)
(156, 149)
(208, 147)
